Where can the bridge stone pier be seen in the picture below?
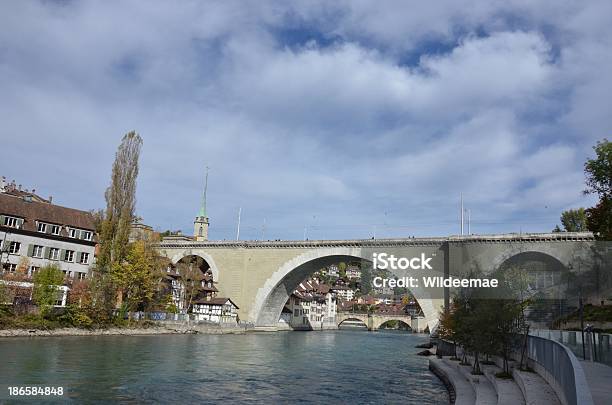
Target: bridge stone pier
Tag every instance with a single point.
(261, 275)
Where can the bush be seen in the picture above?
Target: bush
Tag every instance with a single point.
(75, 316)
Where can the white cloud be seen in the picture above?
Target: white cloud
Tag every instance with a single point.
(500, 101)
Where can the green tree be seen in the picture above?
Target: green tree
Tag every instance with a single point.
(574, 220)
(366, 278)
(47, 281)
(342, 269)
(598, 173)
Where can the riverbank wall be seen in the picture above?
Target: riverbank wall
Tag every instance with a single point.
(153, 330)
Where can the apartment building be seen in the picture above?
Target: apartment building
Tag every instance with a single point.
(34, 232)
(311, 306)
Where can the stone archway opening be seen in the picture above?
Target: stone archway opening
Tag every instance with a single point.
(545, 280)
(352, 323)
(192, 266)
(192, 280)
(272, 297)
(274, 302)
(396, 324)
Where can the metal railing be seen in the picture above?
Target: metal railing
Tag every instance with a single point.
(554, 361)
(594, 347)
(561, 369)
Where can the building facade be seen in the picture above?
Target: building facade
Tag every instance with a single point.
(311, 306)
(35, 233)
(216, 310)
(353, 272)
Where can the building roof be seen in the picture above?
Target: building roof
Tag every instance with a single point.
(215, 301)
(207, 288)
(32, 211)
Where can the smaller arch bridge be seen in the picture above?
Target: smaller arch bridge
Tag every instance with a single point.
(375, 321)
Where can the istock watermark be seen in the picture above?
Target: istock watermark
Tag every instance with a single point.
(386, 261)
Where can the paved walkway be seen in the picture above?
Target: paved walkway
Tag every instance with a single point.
(535, 389)
(485, 391)
(508, 391)
(599, 378)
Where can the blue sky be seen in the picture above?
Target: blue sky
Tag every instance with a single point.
(348, 118)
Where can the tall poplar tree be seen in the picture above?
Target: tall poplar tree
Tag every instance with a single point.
(120, 210)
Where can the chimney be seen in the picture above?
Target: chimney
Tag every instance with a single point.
(50, 199)
(19, 187)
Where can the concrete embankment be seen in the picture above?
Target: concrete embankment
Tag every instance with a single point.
(487, 389)
(459, 388)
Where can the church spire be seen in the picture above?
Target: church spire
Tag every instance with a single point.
(200, 225)
(202, 212)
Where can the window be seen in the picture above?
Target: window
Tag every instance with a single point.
(33, 269)
(86, 235)
(55, 229)
(72, 232)
(14, 248)
(12, 222)
(84, 258)
(11, 267)
(37, 251)
(42, 227)
(54, 254)
(69, 256)
(81, 276)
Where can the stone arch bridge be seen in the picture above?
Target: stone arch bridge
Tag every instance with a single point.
(375, 321)
(259, 276)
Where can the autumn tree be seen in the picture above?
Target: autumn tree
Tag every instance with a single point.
(598, 173)
(47, 281)
(23, 266)
(137, 275)
(119, 214)
(447, 328)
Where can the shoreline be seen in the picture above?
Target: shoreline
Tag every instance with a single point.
(114, 331)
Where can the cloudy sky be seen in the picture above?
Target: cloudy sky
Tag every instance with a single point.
(348, 118)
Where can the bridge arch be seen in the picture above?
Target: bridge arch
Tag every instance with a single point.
(546, 270)
(518, 255)
(277, 289)
(380, 323)
(356, 318)
(177, 257)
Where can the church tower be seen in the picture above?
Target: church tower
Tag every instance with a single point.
(200, 225)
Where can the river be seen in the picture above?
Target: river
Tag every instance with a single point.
(344, 366)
